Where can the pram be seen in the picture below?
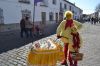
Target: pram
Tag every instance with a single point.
(46, 55)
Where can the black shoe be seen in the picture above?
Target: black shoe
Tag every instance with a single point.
(66, 65)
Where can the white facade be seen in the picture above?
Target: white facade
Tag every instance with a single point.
(46, 12)
(72, 7)
(12, 10)
(47, 6)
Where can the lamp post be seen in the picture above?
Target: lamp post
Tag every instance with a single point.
(34, 13)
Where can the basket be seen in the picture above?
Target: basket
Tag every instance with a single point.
(77, 56)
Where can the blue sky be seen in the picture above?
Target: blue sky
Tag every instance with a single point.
(88, 6)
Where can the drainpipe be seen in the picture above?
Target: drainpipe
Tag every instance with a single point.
(33, 13)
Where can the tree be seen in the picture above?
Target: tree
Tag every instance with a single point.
(97, 9)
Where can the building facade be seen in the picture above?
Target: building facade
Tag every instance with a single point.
(77, 12)
(12, 11)
(51, 11)
(47, 11)
(41, 12)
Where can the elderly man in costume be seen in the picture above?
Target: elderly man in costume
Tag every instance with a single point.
(67, 31)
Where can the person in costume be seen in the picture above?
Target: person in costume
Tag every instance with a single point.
(67, 31)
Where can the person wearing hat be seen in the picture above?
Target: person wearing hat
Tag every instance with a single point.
(67, 31)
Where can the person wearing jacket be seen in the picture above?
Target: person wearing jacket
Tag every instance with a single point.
(28, 26)
(23, 29)
(67, 31)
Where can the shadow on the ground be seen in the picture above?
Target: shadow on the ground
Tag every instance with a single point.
(11, 40)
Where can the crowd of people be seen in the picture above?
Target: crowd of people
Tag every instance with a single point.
(28, 28)
(92, 20)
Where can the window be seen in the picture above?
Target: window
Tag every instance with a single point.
(51, 16)
(65, 6)
(61, 7)
(73, 12)
(70, 8)
(24, 1)
(26, 13)
(54, 1)
(1, 16)
(56, 17)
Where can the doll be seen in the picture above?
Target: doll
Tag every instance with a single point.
(67, 31)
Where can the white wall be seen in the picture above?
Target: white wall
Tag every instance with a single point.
(50, 8)
(73, 8)
(12, 10)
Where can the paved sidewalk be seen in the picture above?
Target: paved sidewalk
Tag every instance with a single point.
(91, 49)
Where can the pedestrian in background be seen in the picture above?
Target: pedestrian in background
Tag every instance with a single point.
(28, 26)
(37, 30)
(22, 27)
(92, 20)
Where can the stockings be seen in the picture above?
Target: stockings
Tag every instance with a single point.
(72, 62)
(64, 62)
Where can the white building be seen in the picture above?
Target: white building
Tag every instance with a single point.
(11, 11)
(46, 11)
(66, 5)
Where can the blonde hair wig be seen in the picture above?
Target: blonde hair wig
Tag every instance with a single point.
(68, 15)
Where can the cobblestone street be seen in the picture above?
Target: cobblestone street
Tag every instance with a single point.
(90, 48)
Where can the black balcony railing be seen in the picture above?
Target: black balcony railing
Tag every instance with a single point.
(43, 3)
(24, 1)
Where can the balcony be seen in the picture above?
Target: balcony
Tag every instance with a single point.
(44, 3)
(24, 1)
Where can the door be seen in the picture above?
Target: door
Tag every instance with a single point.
(43, 16)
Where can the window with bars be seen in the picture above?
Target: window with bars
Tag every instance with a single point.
(65, 6)
(24, 1)
(1, 16)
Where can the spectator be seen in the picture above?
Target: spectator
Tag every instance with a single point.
(28, 26)
(37, 30)
(22, 26)
(92, 20)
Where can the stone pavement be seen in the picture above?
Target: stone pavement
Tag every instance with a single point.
(90, 48)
